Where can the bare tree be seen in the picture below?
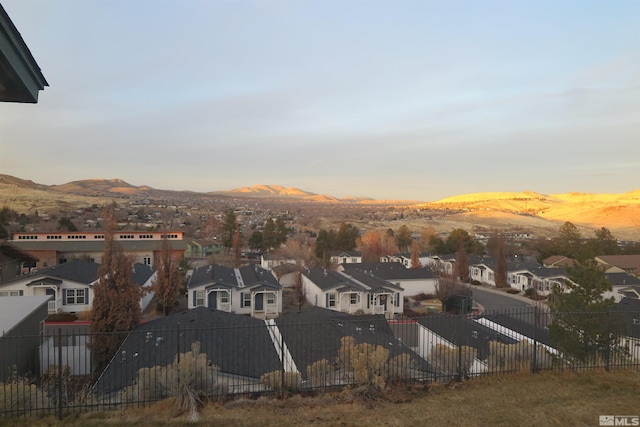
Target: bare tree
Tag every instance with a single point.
(168, 280)
(462, 264)
(415, 256)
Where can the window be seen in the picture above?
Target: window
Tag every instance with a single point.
(75, 296)
(271, 299)
(10, 293)
(147, 260)
(224, 298)
(245, 299)
(331, 300)
(353, 299)
(199, 298)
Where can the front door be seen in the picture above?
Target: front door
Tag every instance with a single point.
(212, 300)
(383, 301)
(259, 298)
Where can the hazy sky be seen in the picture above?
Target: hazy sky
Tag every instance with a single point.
(386, 99)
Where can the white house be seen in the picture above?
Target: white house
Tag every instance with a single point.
(70, 284)
(542, 279)
(352, 292)
(269, 261)
(414, 281)
(345, 257)
(246, 290)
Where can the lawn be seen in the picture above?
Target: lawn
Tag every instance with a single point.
(547, 399)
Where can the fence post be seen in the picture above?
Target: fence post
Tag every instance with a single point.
(460, 342)
(534, 367)
(282, 381)
(59, 373)
(608, 338)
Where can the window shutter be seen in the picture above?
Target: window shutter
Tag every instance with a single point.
(241, 299)
(397, 301)
(194, 298)
(64, 297)
(368, 300)
(326, 300)
(21, 293)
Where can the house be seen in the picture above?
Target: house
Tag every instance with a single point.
(455, 331)
(21, 321)
(343, 257)
(13, 260)
(70, 285)
(620, 263)
(558, 261)
(201, 248)
(315, 334)
(246, 290)
(240, 347)
(405, 259)
(353, 292)
(20, 75)
(53, 248)
(629, 310)
(485, 270)
(270, 261)
(66, 343)
(542, 279)
(414, 281)
(623, 285)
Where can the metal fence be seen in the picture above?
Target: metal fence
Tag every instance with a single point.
(58, 372)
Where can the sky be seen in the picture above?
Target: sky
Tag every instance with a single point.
(397, 99)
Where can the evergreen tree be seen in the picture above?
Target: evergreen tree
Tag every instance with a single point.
(269, 238)
(403, 238)
(584, 327)
(116, 301)
(229, 226)
(346, 237)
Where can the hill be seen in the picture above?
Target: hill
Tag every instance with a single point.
(618, 212)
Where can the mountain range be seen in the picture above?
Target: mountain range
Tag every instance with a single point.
(618, 212)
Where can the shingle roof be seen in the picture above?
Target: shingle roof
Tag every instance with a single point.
(78, 271)
(353, 280)
(314, 334)
(247, 276)
(95, 246)
(236, 344)
(522, 323)
(461, 331)
(622, 279)
(391, 270)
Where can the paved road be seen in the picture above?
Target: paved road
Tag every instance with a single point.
(497, 300)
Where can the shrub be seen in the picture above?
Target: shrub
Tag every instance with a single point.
(512, 291)
(476, 282)
(319, 373)
(19, 395)
(62, 317)
(401, 367)
(189, 380)
(364, 363)
(273, 380)
(445, 360)
(517, 357)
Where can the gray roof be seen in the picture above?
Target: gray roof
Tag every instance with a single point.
(391, 270)
(461, 331)
(314, 334)
(354, 280)
(622, 279)
(218, 275)
(13, 310)
(78, 271)
(236, 344)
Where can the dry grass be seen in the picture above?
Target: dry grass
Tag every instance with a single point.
(546, 399)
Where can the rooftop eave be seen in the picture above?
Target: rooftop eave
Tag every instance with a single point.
(20, 76)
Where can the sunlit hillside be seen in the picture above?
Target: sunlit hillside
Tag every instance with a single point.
(618, 212)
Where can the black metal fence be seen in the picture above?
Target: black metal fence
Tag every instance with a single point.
(57, 372)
